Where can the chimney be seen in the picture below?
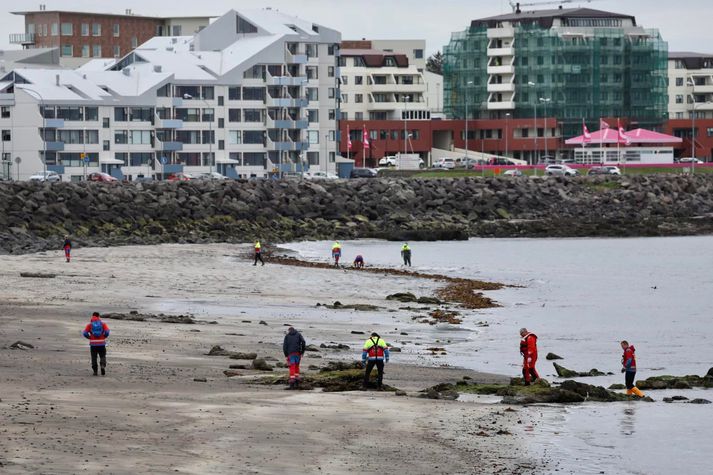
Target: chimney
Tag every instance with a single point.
(517, 8)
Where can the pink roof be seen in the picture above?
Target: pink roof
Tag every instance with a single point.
(610, 136)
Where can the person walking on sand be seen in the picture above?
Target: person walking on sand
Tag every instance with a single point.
(258, 253)
(294, 347)
(374, 353)
(67, 248)
(359, 262)
(628, 367)
(528, 350)
(336, 252)
(406, 254)
(97, 332)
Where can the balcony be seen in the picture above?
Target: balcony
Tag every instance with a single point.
(505, 32)
(509, 51)
(400, 88)
(169, 146)
(505, 105)
(168, 123)
(286, 102)
(286, 123)
(703, 89)
(288, 145)
(504, 87)
(54, 123)
(54, 146)
(22, 39)
(504, 69)
(297, 58)
(285, 80)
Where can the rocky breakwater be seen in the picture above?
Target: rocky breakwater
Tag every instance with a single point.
(35, 217)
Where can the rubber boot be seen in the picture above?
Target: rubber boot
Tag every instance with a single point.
(630, 392)
(96, 373)
(103, 370)
(637, 392)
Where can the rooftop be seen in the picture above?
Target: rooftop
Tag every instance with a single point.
(126, 15)
(546, 16)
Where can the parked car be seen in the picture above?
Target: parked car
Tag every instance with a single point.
(469, 163)
(363, 173)
(445, 163)
(211, 176)
(48, 176)
(144, 179)
(319, 175)
(613, 170)
(180, 176)
(101, 177)
(561, 170)
(598, 171)
(388, 161)
(513, 172)
(690, 160)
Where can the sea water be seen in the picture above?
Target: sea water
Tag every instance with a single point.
(581, 297)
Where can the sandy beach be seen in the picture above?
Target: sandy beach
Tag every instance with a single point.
(149, 415)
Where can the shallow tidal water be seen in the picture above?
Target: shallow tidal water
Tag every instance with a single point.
(581, 297)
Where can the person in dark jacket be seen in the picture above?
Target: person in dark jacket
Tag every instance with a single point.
(294, 347)
(406, 254)
(97, 332)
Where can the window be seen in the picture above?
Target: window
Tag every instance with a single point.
(254, 159)
(311, 50)
(66, 29)
(208, 115)
(91, 114)
(253, 115)
(141, 114)
(55, 29)
(235, 137)
(85, 29)
(117, 51)
(85, 51)
(4, 112)
(358, 98)
(208, 136)
(330, 71)
(234, 115)
(312, 94)
(418, 53)
(679, 98)
(330, 50)
(332, 114)
(358, 80)
(331, 92)
(221, 123)
(116, 30)
(121, 114)
(6, 136)
(106, 145)
(97, 51)
(105, 123)
(254, 94)
(188, 136)
(96, 29)
(221, 100)
(121, 137)
(91, 137)
(345, 80)
(345, 98)
(234, 94)
(313, 115)
(67, 51)
(70, 113)
(253, 137)
(358, 116)
(679, 81)
(313, 136)
(176, 30)
(188, 115)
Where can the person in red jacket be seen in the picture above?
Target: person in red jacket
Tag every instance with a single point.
(67, 248)
(628, 366)
(97, 332)
(528, 350)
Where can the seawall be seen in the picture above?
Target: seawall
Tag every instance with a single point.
(36, 217)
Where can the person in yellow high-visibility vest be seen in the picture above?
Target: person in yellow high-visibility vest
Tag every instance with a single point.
(374, 353)
(406, 254)
(336, 252)
(258, 253)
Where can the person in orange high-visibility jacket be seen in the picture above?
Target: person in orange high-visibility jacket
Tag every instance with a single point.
(97, 332)
(258, 253)
(628, 367)
(528, 350)
(374, 353)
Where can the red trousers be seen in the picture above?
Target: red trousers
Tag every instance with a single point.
(294, 364)
(528, 370)
(67, 252)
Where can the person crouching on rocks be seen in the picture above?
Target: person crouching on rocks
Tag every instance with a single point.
(528, 350)
(374, 353)
(628, 367)
(97, 332)
(294, 347)
(359, 262)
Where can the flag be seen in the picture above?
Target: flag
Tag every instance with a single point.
(349, 140)
(603, 125)
(623, 138)
(587, 135)
(365, 139)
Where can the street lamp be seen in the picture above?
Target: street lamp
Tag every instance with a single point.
(507, 133)
(44, 129)
(545, 101)
(534, 168)
(405, 125)
(211, 159)
(693, 133)
(467, 90)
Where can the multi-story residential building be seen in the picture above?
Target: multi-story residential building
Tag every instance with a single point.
(690, 85)
(81, 36)
(252, 93)
(569, 64)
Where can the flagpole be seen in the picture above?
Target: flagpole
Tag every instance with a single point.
(602, 154)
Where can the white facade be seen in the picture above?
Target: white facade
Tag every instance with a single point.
(247, 95)
(690, 85)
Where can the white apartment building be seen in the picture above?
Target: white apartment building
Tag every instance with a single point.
(253, 93)
(380, 85)
(690, 85)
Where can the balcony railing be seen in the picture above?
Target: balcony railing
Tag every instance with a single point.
(170, 146)
(168, 123)
(22, 38)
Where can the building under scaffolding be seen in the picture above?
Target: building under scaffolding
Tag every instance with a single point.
(570, 64)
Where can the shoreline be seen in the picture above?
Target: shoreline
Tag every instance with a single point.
(155, 417)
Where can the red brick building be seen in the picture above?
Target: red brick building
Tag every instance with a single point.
(97, 35)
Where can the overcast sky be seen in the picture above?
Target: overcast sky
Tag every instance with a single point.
(685, 24)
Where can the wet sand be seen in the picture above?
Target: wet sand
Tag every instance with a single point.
(148, 415)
